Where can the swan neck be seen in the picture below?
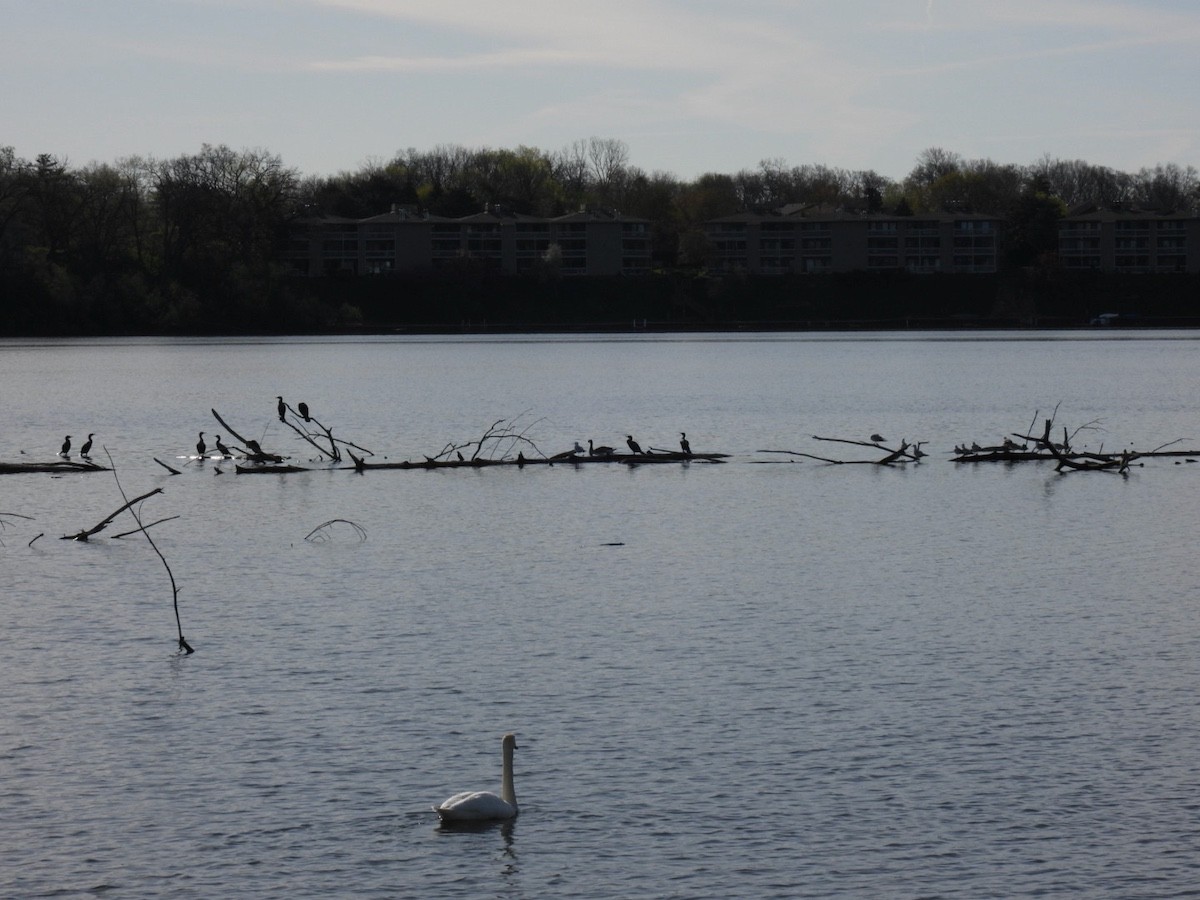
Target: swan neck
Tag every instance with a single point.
(507, 793)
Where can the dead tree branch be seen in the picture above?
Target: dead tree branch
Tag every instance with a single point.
(96, 529)
(142, 528)
(254, 451)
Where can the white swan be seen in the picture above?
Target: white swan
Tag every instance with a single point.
(482, 806)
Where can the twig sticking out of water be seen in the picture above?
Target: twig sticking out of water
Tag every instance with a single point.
(4, 524)
(183, 644)
(324, 531)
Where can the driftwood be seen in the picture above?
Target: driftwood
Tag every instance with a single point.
(170, 469)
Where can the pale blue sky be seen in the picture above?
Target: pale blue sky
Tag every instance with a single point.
(691, 86)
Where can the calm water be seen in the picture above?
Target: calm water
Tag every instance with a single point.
(751, 679)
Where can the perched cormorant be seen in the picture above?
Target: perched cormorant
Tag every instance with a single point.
(282, 408)
(878, 438)
(254, 448)
(599, 451)
(87, 446)
(200, 448)
(683, 442)
(66, 447)
(222, 449)
(634, 446)
(302, 407)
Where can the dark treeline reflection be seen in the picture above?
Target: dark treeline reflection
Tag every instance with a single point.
(194, 244)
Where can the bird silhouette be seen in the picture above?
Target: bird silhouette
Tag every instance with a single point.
(634, 446)
(598, 451)
(66, 447)
(86, 449)
(254, 448)
(281, 407)
(200, 447)
(302, 407)
(222, 449)
(683, 443)
(878, 438)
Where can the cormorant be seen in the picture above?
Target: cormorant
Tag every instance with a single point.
(282, 408)
(633, 445)
(878, 438)
(683, 442)
(222, 449)
(302, 407)
(254, 448)
(599, 451)
(87, 446)
(200, 448)
(66, 447)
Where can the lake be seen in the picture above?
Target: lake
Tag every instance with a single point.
(770, 677)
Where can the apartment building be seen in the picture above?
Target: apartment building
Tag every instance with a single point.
(804, 240)
(589, 242)
(1128, 240)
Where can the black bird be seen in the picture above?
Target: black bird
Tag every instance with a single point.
(66, 447)
(222, 449)
(633, 445)
(878, 438)
(598, 451)
(303, 409)
(87, 446)
(683, 442)
(254, 448)
(282, 408)
(200, 448)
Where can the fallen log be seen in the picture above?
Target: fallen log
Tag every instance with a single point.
(57, 467)
(361, 465)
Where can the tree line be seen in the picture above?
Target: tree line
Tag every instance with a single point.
(195, 243)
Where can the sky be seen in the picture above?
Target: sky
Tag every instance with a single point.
(689, 86)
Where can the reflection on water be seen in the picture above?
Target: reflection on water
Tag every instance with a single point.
(767, 680)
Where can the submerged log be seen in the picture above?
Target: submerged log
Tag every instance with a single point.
(269, 470)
